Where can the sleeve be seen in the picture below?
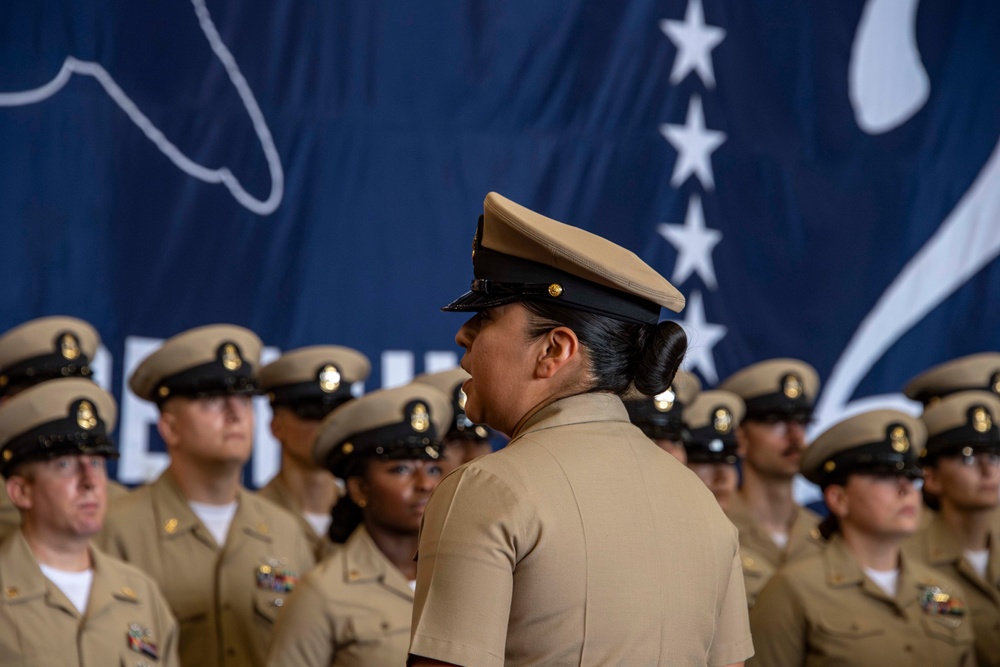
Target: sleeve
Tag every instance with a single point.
(472, 532)
(732, 642)
(778, 624)
(303, 635)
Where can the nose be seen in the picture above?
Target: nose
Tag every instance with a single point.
(467, 333)
(236, 407)
(425, 481)
(797, 433)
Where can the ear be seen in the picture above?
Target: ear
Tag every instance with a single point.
(277, 425)
(167, 427)
(357, 489)
(836, 500)
(19, 491)
(741, 442)
(557, 348)
(932, 480)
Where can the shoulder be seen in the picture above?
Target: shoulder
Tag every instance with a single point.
(135, 508)
(129, 581)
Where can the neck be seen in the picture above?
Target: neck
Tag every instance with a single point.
(314, 489)
(769, 500)
(399, 548)
(972, 527)
(210, 485)
(71, 554)
(871, 551)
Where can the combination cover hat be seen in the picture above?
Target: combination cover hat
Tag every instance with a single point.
(53, 419)
(712, 419)
(518, 254)
(962, 424)
(407, 422)
(877, 442)
(46, 349)
(314, 380)
(205, 361)
(663, 415)
(775, 388)
(450, 382)
(971, 373)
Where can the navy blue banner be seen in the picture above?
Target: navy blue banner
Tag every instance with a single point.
(822, 180)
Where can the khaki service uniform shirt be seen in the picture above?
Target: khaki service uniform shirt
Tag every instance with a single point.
(580, 543)
(225, 597)
(937, 547)
(760, 555)
(277, 492)
(824, 611)
(351, 610)
(40, 627)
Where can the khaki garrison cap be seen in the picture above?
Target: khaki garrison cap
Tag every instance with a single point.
(45, 349)
(406, 422)
(876, 442)
(664, 415)
(518, 254)
(976, 371)
(205, 361)
(450, 383)
(53, 419)
(712, 419)
(962, 424)
(312, 381)
(775, 388)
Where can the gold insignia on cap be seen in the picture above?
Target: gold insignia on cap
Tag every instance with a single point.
(981, 421)
(665, 402)
(3, 381)
(85, 416)
(723, 421)
(829, 466)
(899, 440)
(347, 448)
(555, 289)
(7, 455)
(329, 378)
(791, 386)
(69, 346)
(163, 392)
(231, 357)
(431, 452)
(462, 398)
(966, 451)
(420, 420)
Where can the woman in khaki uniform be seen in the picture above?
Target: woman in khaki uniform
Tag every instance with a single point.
(962, 471)
(581, 542)
(861, 602)
(354, 608)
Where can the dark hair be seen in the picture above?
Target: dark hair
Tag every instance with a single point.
(829, 526)
(347, 516)
(621, 353)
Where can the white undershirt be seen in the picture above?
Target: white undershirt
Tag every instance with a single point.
(320, 522)
(978, 559)
(413, 585)
(887, 580)
(217, 518)
(781, 539)
(74, 585)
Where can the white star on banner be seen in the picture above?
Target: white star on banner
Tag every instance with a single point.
(694, 41)
(702, 337)
(694, 145)
(694, 243)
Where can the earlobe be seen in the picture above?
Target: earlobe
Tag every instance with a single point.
(932, 483)
(836, 500)
(357, 491)
(165, 426)
(18, 492)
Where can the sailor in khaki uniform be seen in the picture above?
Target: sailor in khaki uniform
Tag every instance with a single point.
(581, 542)
(304, 386)
(464, 440)
(860, 602)
(354, 608)
(661, 417)
(224, 557)
(63, 602)
(779, 396)
(49, 348)
(962, 469)
(711, 420)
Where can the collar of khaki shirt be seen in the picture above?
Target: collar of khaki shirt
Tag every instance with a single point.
(577, 409)
(844, 571)
(365, 563)
(942, 548)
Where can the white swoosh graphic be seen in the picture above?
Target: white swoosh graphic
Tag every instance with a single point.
(222, 175)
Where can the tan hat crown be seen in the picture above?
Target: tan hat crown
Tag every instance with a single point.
(775, 387)
(970, 373)
(519, 254)
(962, 424)
(876, 442)
(314, 380)
(213, 359)
(712, 419)
(402, 422)
(44, 349)
(59, 418)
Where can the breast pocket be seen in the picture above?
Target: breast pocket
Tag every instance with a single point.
(266, 605)
(841, 640)
(369, 630)
(954, 630)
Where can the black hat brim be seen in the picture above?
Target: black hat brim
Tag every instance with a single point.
(475, 301)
